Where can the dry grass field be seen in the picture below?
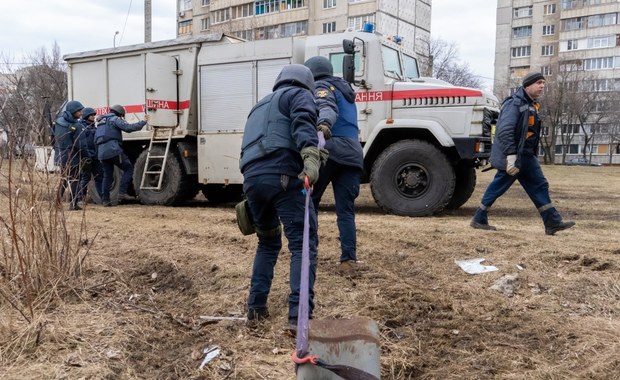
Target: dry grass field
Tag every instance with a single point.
(151, 272)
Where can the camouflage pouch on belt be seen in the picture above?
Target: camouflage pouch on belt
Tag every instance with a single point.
(244, 219)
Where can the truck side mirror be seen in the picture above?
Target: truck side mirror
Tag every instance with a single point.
(348, 46)
(348, 68)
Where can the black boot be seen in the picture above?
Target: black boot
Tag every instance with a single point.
(125, 198)
(553, 221)
(551, 230)
(480, 221)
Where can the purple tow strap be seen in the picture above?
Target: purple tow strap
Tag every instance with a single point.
(304, 298)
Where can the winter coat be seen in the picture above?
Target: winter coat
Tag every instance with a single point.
(109, 137)
(335, 101)
(512, 128)
(65, 139)
(86, 139)
(296, 103)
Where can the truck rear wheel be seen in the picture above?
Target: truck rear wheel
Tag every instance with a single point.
(94, 195)
(174, 184)
(465, 185)
(412, 178)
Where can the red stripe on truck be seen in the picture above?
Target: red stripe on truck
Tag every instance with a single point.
(383, 96)
(150, 103)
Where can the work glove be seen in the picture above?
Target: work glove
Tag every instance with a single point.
(511, 169)
(327, 132)
(324, 153)
(312, 163)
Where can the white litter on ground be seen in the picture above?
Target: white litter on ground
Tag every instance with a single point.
(474, 266)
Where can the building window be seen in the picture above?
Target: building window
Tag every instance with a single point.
(205, 23)
(283, 30)
(266, 6)
(575, 23)
(329, 4)
(548, 30)
(185, 27)
(206, 3)
(569, 67)
(185, 5)
(549, 9)
(292, 4)
(546, 70)
(598, 63)
(522, 31)
(521, 51)
(245, 10)
(247, 34)
(572, 4)
(221, 15)
(572, 45)
(357, 23)
(601, 42)
(547, 50)
(294, 29)
(602, 20)
(329, 27)
(522, 12)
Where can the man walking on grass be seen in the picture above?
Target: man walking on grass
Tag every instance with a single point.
(514, 155)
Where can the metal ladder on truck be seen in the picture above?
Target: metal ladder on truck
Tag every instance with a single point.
(160, 136)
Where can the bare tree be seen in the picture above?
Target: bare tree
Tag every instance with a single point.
(28, 94)
(446, 64)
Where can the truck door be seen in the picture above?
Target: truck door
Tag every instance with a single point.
(162, 90)
(336, 55)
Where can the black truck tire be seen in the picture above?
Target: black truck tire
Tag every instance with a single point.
(174, 185)
(412, 178)
(94, 195)
(465, 185)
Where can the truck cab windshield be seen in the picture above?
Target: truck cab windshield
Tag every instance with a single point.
(391, 63)
(411, 67)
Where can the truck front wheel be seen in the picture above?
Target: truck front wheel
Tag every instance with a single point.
(412, 178)
(173, 186)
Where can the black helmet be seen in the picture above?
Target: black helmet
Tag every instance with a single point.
(74, 106)
(297, 75)
(320, 66)
(86, 112)
(118, 110)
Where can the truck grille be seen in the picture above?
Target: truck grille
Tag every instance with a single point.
(434, 101)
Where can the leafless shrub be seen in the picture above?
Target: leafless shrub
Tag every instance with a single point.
(43, 250)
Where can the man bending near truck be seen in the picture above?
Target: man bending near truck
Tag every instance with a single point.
(109, 139)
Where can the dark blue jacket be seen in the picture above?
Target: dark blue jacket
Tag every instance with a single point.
(335, 101)
(297, 105)
(65, 138)
(512, 128)
(109, 137)
(86, 139)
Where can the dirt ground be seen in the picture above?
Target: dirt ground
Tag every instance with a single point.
(153, 271)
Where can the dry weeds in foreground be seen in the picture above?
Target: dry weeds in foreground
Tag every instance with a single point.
(154, 270)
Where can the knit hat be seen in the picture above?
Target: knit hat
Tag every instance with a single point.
(532, 78)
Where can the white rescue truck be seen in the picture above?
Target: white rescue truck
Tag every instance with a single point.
(423, 138)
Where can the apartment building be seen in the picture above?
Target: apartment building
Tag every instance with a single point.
(558, 36)
(267, 19)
